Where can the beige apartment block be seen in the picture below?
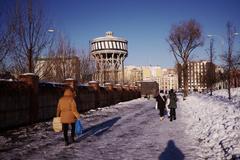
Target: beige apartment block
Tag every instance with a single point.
(132, 74)
(169, 80)
(166, 78)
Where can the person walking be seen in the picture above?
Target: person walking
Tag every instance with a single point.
(163, 95)
(172, 104)
(160, 105)
(67, 110)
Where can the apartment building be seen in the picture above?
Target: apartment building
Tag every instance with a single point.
(132, 74)
(197, 75)
(166, 78)
(58, 68)
(169, 80)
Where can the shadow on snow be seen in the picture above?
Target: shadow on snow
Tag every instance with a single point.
(98, 129)
(171, 152)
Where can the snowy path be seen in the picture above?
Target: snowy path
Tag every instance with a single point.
(129, 130)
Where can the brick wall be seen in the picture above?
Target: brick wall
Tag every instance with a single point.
(23, 102)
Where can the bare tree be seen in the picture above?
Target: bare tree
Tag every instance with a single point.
(221, 78)
(236, 70)
(178, 67)
(183, 39)
(228, 56)
(87, 67)
(3, 48)
(29, 27)
(44, 66)
(6, 43)
(62, 63)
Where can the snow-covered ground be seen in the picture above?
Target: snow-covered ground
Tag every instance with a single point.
(214, 122)
(206, 128)
(223, 94)
(126, 131)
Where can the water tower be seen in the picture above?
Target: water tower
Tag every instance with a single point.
(109, 53)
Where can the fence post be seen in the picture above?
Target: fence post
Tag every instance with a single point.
(72, 83)
(110, 95)
(109, 86)
(120, 92)
(95, 86)
(32, 81)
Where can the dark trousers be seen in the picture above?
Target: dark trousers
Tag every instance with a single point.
(161, 111)
(172, 113)
(65, 131)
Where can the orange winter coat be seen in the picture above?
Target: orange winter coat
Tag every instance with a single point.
(67, 108)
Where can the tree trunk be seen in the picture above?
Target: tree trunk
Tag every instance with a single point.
(179, 73)
(229, 84)
(185, 79)
(30, 62)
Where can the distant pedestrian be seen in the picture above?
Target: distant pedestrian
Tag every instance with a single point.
(67, 109)
(160, 104)
(172, 104)
(163, 95)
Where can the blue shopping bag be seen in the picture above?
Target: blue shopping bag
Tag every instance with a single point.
(78, 127)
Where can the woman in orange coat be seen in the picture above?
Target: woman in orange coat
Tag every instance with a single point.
(67, 109)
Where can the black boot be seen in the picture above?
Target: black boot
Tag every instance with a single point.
(73, 140)
(66, 143)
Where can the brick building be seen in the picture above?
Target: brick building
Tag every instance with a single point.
(197, 75)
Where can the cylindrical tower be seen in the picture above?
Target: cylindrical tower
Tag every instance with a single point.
(109, 53)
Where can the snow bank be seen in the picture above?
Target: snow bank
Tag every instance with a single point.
(235, 93)
(214, 123)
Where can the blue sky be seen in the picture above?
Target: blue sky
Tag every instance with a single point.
(144, 23)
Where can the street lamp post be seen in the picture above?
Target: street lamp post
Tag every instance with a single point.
(221, 39)
(211, 75)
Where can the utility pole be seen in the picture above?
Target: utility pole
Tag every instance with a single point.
(211, 78)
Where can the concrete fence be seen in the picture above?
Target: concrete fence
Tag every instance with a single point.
(28, 101)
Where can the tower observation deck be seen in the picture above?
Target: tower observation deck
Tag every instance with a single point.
(109, 53)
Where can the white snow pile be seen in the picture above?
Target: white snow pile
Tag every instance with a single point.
(214, 122)
(235, 94)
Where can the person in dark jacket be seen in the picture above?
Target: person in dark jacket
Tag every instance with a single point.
(172, 104)
(160, 105)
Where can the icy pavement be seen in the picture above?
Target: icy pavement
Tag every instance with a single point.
(126, 131)
(206, 128)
